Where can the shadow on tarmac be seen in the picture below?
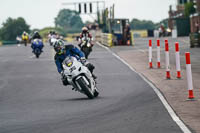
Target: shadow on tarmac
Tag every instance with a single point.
(80, 99)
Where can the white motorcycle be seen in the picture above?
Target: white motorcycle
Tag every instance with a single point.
(80, 77)
(52, 40)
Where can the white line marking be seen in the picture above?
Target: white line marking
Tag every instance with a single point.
(156, 90)
(32, 56)
(141, 50)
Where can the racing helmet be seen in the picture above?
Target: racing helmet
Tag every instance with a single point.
(53, 32)
(59, 47)
(84, 29)
(36, 33)
(50, 32)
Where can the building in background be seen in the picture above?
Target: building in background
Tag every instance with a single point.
(181, 3)
(177, 20)
(195, 18)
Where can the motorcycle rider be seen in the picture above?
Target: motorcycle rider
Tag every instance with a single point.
(36, 35)
(85, 33)
(62, 51)
(52, 34)
(25, 36)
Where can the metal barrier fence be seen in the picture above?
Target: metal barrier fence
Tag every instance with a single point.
(139, 33)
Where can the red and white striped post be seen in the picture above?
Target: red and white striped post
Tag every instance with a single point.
(167, 59)
(189, 76)
(158, 53)
(178, 66)
(150, 54)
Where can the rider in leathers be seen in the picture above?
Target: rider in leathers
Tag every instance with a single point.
(36, 35)
(85, 33)
(62, 51)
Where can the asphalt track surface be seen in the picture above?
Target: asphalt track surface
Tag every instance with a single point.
(33, 100)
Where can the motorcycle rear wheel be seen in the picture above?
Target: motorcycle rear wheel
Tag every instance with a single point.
(37, 55)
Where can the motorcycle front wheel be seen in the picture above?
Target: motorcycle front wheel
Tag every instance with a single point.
(85, 88)
(86, 51)
(96, 93)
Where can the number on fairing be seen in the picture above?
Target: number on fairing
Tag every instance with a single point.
(72, 69)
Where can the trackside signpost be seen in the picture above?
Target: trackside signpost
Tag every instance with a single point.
(178, 66)
(167, 60)
(158, 53)
(150, 54)
(189, 76)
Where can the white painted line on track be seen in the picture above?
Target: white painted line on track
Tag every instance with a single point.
(32, 56)
(141, 50)
(178, 121)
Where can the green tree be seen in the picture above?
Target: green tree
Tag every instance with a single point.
(142, 24)
(12, 28)
(189, 9)
(69, 20)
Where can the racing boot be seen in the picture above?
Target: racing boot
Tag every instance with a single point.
(65, 82)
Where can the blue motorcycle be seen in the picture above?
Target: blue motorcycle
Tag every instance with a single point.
(37, 46)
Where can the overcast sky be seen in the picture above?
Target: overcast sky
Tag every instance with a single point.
(41, 13)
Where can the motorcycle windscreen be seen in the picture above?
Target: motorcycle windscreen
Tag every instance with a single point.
(68, 62)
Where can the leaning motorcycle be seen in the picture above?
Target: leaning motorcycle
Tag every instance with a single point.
(86, 47)
(80, 77)
(37, 46)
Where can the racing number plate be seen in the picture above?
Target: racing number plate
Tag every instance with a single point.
(72, 69)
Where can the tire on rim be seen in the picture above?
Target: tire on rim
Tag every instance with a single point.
(37, 53)
(85, 88)
(86, 51)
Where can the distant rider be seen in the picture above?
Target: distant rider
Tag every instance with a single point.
(85, 34)
(52, 34)
(25, 36)
(36, 35)
(62, 51)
